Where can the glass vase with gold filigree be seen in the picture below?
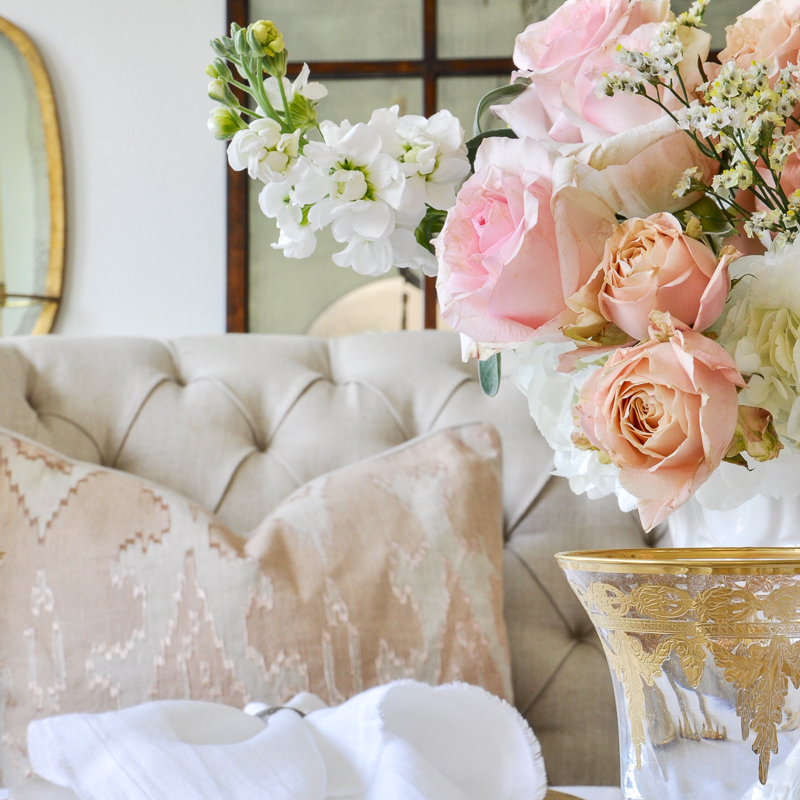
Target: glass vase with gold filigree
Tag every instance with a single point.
(704, 651)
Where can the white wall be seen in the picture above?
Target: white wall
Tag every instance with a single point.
(145, 179)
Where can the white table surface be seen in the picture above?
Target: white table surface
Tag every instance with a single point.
(582, 792)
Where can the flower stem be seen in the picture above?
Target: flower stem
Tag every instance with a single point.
(289, 119)
(260, 95)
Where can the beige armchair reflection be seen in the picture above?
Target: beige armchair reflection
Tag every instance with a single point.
(390, 304)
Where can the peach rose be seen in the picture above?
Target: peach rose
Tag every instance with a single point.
(769, 31)
(665, 413)
(565, 57)
(515, 246)
(651, 265)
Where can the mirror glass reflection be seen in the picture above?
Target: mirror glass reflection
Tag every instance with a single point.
(28, 291)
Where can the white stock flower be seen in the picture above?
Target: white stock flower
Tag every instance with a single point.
(297, 237)
(431, 153)
(551, 398)
(310, 90)
(365, 256)
(408, 252)
(762, 332)
(355, 189)
(265, 152)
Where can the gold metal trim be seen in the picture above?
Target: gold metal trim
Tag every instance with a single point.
(747, 626)
(686, 561)
(741, 630)
(55, 170)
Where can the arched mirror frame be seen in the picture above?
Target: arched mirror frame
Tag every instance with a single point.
(55, 171)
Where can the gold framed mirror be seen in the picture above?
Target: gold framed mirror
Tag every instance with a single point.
(31, 190)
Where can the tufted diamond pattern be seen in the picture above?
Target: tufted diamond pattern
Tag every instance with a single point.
(236, 423)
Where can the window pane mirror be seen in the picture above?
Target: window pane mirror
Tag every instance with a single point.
(31, 190)
(370, 54)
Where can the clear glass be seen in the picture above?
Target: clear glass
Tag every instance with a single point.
(461, 96)
(18, 317)
(346, 30)
(479, 28)
(705, 669)
(24, 189)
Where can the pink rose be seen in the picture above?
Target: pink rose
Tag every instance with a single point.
(515, 246)
(769, 31)
(665, 413)
(565, 57)
(651, 265)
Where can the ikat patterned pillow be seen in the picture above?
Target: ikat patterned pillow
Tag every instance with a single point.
(114, 591)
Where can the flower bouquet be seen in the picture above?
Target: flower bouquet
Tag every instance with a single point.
(630, 234)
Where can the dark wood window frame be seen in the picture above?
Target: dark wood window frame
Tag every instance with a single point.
(429, 68)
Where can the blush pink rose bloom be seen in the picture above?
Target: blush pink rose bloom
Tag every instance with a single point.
(652, 265)
(516, 245)
(769, 31)
(565, 56)
(665, 413)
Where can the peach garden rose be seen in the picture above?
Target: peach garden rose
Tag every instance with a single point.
(652, 265)
(664, 412)
(769, 31)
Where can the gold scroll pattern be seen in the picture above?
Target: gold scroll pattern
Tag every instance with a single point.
(644, 624)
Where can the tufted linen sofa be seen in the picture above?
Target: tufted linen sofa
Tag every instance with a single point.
(236, 423)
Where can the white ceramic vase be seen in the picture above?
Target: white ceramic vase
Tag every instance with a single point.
(759, 522)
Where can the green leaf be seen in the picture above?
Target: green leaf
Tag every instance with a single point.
(474, 143)
(709, 213)
(735, 281)
(429, 228)
(489, 372)
(502, 94)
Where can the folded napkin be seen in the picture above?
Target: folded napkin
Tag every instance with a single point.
(403, 741)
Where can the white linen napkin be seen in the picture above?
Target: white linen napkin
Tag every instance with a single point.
(403, 741)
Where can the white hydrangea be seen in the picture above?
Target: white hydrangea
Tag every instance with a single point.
(761, 330)
(551, 398)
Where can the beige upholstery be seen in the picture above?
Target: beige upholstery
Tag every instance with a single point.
(238, 422)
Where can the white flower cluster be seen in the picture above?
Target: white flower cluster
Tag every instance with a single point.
(748, 119)
(689, 182)
(693, 16)
(370, 182)
(614, 82)
(660, 62)
(776, 228)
